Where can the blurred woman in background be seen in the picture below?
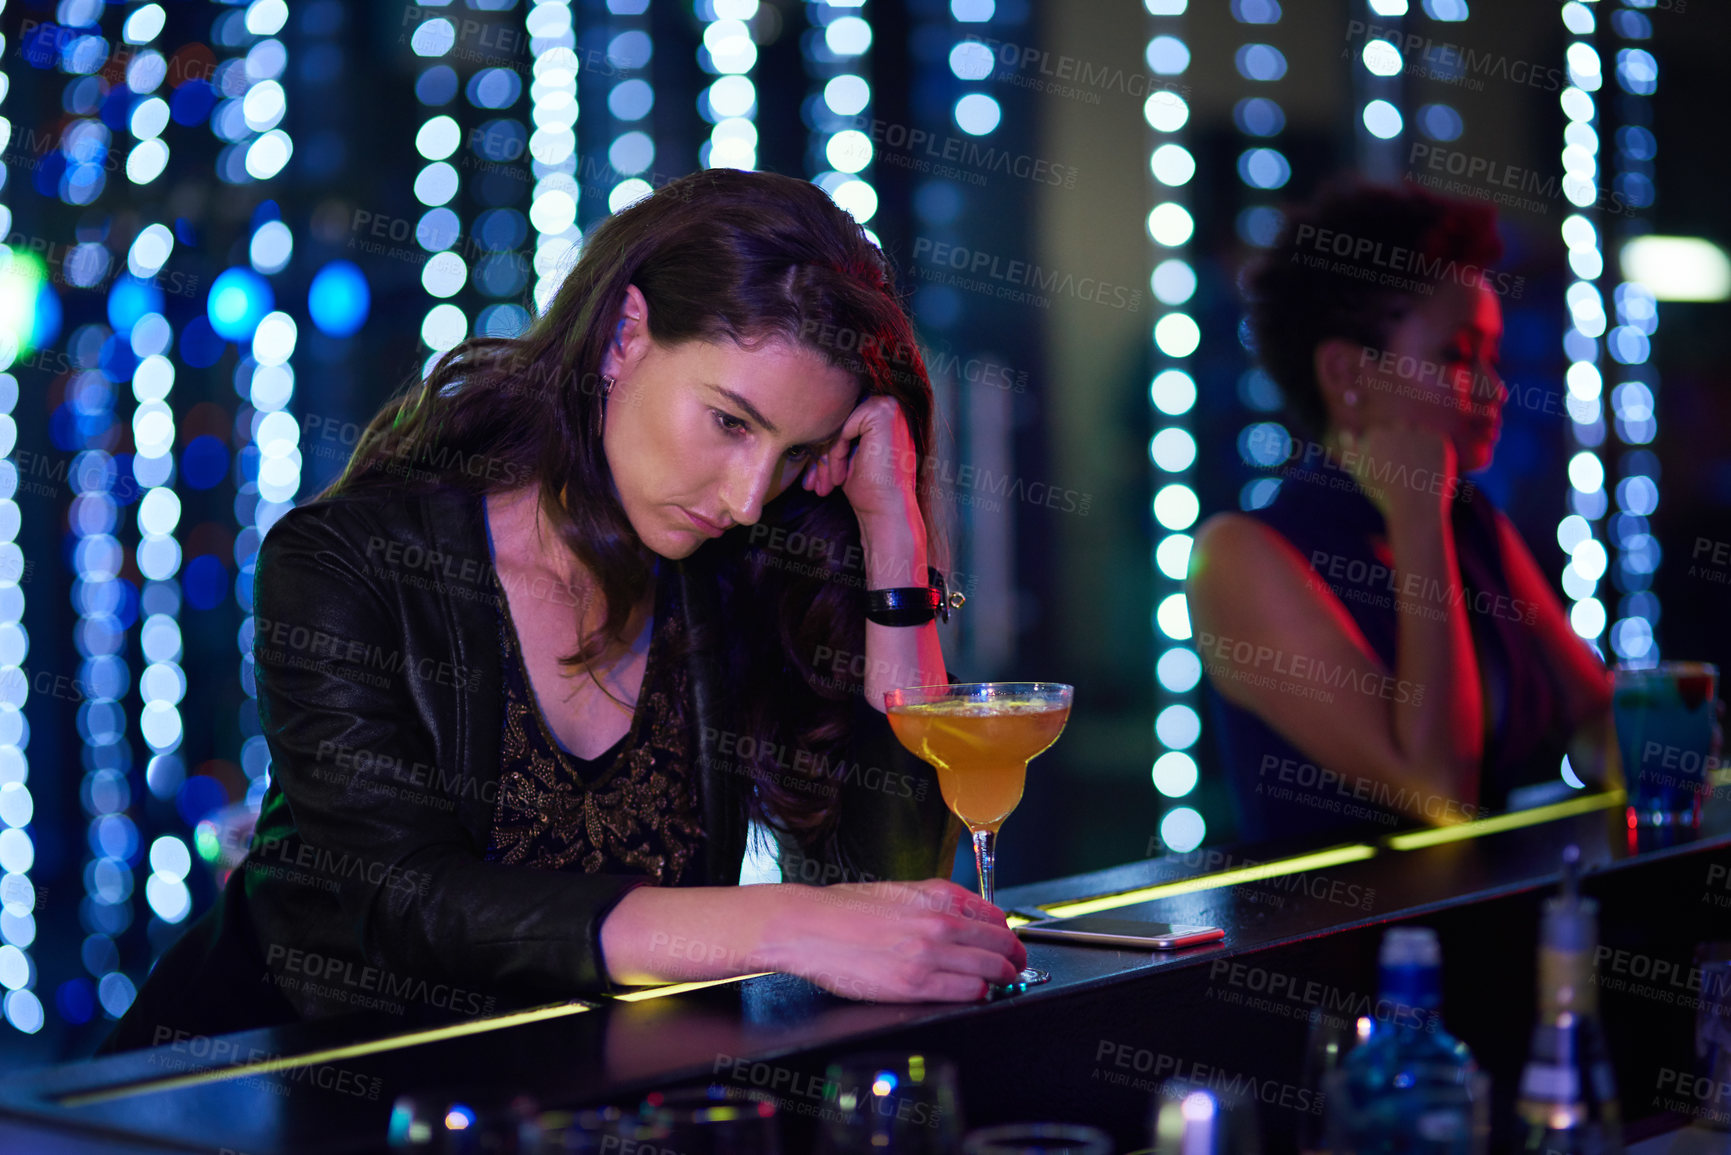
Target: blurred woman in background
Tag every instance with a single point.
(1381, 646)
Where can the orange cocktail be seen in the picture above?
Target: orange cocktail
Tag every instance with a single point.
(980, 736)
(980, 749)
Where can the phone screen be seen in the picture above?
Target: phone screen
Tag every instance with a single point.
(1129, 927)
(1126, 931)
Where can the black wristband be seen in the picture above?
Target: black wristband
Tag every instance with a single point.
(911, 605)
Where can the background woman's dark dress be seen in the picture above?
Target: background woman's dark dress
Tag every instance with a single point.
(1278, 791)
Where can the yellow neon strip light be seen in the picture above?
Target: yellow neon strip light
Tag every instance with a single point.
(351, 1051)
(1255, 873)
(1501, 822)
(681, 988)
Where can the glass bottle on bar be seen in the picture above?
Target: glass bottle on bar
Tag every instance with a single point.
(1410, 1087)
(1568, 1096)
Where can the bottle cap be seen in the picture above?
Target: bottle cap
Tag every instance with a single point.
(1571, 923)
(1410, 946)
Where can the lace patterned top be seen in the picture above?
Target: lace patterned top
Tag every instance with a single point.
(633, 809)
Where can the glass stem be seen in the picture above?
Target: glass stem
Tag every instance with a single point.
(985, 855)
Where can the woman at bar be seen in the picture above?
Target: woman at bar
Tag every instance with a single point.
(571, 619)
(1381, 647)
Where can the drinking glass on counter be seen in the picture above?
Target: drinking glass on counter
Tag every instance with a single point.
(709, 1121)
(587, 1132)
(1327, 1040)
(1713, 1036)
(898, 1104)
(1193, 1120)
(1665, 716)
(457, 1122)
(980, 736)
(1038, 1139)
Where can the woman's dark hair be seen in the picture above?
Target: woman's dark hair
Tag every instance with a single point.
(1350, 264)
(719, 254)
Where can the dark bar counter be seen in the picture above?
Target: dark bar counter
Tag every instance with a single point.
(1090, 1046)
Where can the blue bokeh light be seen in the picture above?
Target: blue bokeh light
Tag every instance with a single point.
(200, 347)
(117, 108)
(130, 299)
(198, 796)
(204, 463)
(437, 85)
(339, 299)
(204, 582)
(76, 999)
(192, 102)
(117, 360)
(45, 322)
(239, 299)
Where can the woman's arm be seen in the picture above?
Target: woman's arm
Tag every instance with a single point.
(880, 478)
(1276, 641)
(895, 555)
(372, 803)
(1440, 726)
(893, 819)
(885, 941)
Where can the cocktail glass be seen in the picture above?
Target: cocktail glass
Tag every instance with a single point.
(980, 736)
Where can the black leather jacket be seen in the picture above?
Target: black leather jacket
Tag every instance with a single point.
(376, 649)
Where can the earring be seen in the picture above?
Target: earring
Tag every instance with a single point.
(601, 409)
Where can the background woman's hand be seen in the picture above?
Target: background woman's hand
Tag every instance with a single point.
(1402, 467)
(894, 942)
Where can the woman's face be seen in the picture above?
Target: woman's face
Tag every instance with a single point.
(700, 436)
(1439, 371)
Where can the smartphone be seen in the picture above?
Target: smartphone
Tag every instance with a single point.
(1130, 932)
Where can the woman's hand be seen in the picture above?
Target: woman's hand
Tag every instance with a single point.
(874, 463)
(893, 942)
(900, 942)
(1404, 468)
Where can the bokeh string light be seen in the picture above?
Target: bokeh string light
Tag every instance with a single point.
(99, 358)
(1634, 396)
(136, 311)
(491, 253)
(729, 53)
(554, 198)
(20, 283)
(1579, 532)
(1377, 79)
(1440, 60)
(840, 154)
(631, 150)
(242, 309)
(1172, 391)
(1263, 170)
(438, 137)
